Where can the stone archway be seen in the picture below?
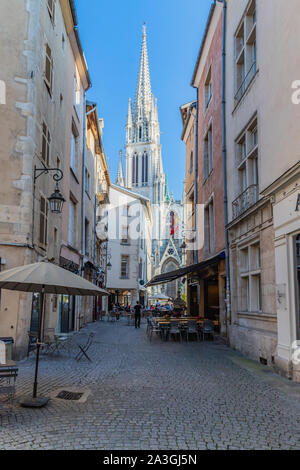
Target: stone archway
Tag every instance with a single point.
(171, 288)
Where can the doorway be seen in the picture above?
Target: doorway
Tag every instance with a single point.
(211, 299)
(67, 313)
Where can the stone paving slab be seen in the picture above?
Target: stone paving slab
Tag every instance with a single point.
(157, 396)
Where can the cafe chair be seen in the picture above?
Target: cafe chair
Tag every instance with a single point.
(154, 328)
(175, 330)
(208, 328)
(192, 329)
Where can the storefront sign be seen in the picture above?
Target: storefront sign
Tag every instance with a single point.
(298, 203)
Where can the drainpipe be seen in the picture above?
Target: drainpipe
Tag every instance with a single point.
(83, 181)
(83, 189)
(224, 153)
(196, 171)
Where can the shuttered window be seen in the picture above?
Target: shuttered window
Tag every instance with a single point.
(48, 68)
(51, 9)
(72, 223)
(124, 266)
(43, 221)
(46, 142)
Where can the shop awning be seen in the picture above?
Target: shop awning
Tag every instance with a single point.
(193, 268)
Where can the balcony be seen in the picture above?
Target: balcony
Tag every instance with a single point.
(247, 199)
(102, 231)
(103, 192)
(245, 83)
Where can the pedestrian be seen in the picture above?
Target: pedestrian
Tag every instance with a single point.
(137, 314)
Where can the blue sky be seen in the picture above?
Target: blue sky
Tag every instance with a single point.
(111, 34)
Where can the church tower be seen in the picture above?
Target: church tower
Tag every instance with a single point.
(144, 173)
(143, 162)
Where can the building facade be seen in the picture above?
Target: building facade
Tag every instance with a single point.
(207, 79)
(129, 223)
(188, 113)
(253, 325)
(42, 126)
(144, 174)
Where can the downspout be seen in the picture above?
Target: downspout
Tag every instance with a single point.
(196, 172)
(224, 153)
(83, 190)
(83, 182)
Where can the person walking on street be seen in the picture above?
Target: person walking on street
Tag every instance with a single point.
(137, 314)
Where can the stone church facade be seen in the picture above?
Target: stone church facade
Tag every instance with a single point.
(144, 175)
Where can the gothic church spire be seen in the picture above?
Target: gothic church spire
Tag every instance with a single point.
(143, 97)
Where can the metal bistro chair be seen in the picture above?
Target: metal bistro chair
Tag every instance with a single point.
(192, 329)
(8, 376)
(154, 328)
(85, 348)
(175, 330)
(208, 328)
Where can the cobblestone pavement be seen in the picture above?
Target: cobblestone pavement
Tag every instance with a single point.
(158, 395)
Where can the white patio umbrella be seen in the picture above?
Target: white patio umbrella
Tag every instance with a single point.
(45, 278)
(159, 297)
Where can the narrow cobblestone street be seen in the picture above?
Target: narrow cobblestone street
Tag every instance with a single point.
(159, 395)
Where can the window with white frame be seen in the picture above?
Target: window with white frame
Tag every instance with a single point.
(249, 292)
(44, 207)
(74, 149)
(48, 76)
(208, 153)
(125, 235)
(46, 144)
(124, 266)
(208, 89)
(245, 50)
(72, 223)
(76, 95)
(247, 159)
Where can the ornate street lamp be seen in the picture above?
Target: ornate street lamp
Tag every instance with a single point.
(56, 200)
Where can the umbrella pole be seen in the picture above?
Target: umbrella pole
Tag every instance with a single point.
(38, 344)
(35, 401)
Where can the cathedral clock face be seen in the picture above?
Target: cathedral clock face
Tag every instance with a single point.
(171, 251)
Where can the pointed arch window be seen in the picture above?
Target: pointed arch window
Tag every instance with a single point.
(140, 133)
(172, 224)
(135, 169)
(145, 168)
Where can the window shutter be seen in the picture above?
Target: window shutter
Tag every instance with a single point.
(51, 9)
(43, 221)
(44, 142)
(48, 68)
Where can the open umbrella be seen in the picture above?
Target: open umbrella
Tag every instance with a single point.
(45, 278)
(159, 297)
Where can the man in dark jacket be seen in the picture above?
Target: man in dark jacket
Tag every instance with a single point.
(137, 314)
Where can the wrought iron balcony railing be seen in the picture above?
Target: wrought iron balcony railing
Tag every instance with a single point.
(247, 199)
(245, 83)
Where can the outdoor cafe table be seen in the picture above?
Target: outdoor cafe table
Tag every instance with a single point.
(162, 320)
